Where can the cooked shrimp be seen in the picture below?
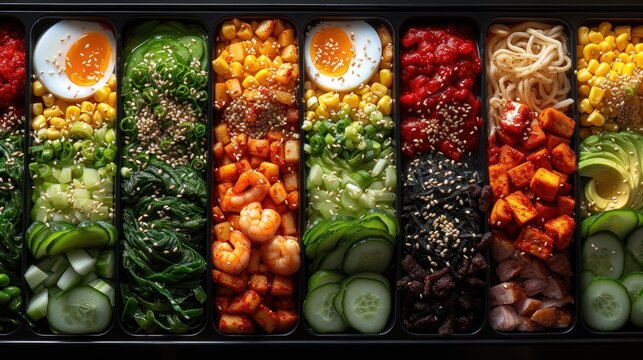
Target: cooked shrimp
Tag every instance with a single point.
(232, 256)
(281, 255)
(252, 186)
(260, 225)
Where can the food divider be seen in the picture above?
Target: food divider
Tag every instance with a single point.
(344, 166)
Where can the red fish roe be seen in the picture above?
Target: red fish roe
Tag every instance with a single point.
(12, 65)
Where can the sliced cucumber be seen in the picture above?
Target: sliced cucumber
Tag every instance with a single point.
(105, 264)
(323, 277)
(366, 305)
(586, 224)
(606, 305)
(81, 310)
(82, 262)
(105, 288)
(37, 308)
(603, 254)
(634, 244)
(69, 278)
(619, 222)
(586, 277)
(369, 255)
(35, 277)
(634, 284)
(320, 312)
(631, 265)
(636, 314)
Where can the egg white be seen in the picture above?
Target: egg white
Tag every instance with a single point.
(367, 50)
(51, 50)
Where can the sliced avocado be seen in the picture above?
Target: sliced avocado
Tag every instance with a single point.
(606, 183)
(84, 237)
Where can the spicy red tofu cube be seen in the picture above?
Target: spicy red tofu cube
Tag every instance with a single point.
(535, 136)
(563, 177)
(545, 211)
(545, 184)
(553, 141)
(566, 205)
(556, 122)
(510, 157)
(246, 303)
(521, 207)
(282, 286)
(534, 242)
(561, 229)
(499, 181)
(540, 159)
(507, 138)
(564, 158)
(236, 324)
(500, 214)
(259, 283)
(515, 116)
(234, 283)
(521, 175)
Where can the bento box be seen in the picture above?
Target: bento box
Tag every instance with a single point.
(307, 174)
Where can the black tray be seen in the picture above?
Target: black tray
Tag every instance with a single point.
(29, 12)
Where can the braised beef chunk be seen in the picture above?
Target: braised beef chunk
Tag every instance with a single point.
(503, 318)
(506, 293)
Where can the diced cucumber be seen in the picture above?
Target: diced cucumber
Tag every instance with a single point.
(603, 254)
(69, 279)
(105, 264)
(88, 279)
(45, 264)
(331, 182)
(35, 277)
(366, 305)
(390, 181)
(37, 308)
(636, 313)
(586, 277)
(52, 279)
(81, 310)
(323, 277)
(60, 265)
(368, 255)
(353, 190)
(91, 178)
(634, 244)
(631, 265)
(315, 176)
(634, 284)
(619, 222)
(105, 288)
(320, 312)
(605, 305)
(81, 261)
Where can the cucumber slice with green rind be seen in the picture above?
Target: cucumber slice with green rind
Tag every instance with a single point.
(319, 311)
(636, 313)
(81, 310)
(603, 254)
(619, 222)
(323, 277)
(369, 255)
(634, 284)
(586, 277)
(605, 305)
(634, 244)
(367, 305)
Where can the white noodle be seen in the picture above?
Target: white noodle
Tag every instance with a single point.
(527, 62)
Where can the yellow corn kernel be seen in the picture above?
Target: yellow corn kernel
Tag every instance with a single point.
(386, 77)
(613, 75)
(605, 46)
(37, 89)
(384, 105)
(250, 64)
(607, 57)
(53, 133)
(277, 62)
(310, 115)
(111, 82)
(361, 105)
(309, 93)
(618, 67)
(86, 118)
(630, 48)
(583, 90)
(112, 99)
(102, 109)
(250, 82)
(322, 111)
(48, 99)
(312, 103)
(36, 109)
(352, 100)
(39, 122)
(110, 114)
(579, 50)
(602, 70)
(330, 99)
(604, 28)
(102, 94)
(370, 98)
(245, 32)
(638, 47)
(583, 120)
(363, 90)
(57, 122)
(72, 113)
(236, 69)
(228, 30)
(620, 30)
(598, 80)
(624, 58)
(586, 106)
(591, 51)
(622, 41)
(592, 65)
(628, 69)
(52, 111)
(379, 89)
(639, 59)
(87, 107)
(595, 96)
(611, 126)
(581, 63)
(611, 40)
(595, 37)
(263, 76)
(583, 35)
(97, 119)
(62, 104)
(583, 75)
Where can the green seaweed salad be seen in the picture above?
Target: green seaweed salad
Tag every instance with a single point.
(163, 187)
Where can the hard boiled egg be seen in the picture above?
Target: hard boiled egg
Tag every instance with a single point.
(342, 55)
(73, 59)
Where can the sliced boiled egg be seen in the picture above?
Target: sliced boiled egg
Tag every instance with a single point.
(342, 55)
(73, 59)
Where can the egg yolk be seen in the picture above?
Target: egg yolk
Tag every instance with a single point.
(331, 51)
(88, 58)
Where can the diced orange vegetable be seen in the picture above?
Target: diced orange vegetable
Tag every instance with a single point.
(561, 229)
(222, 231)
(291, 150)
(245, 32)
(510, 157)
(499, 181)
(217, 215)
(254, 265)
(286, 37)
(221, 134)
(561, 176)
(246, 303)
(546, 211)
(234, 222)
(259, 283)
(280, 26)
(566, 205)
(233, 87)
(288, 224)
(289, 54)
(553, 141)
(292, 115)
(534, 242)
(282, 286)
(264, 29)
(521, 207)
(255, 161)
(287, 319)
(277, 154)
(500, 214)
(243, 166)
(234, 151)
(222, 188)
(564, 158)
(236, 324)
(266, 318)
(545, 184)
(293, 200)
(218, 150)
(521, 175)
(556, 122)
(270, 48)
(221, 97)
(515, 117)
(236, 53)
(267, 203)
(259, 147)
(270, 171)
(535, 137)
(278, 192)
(234, 283)
(227, 173)
(540, 159)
